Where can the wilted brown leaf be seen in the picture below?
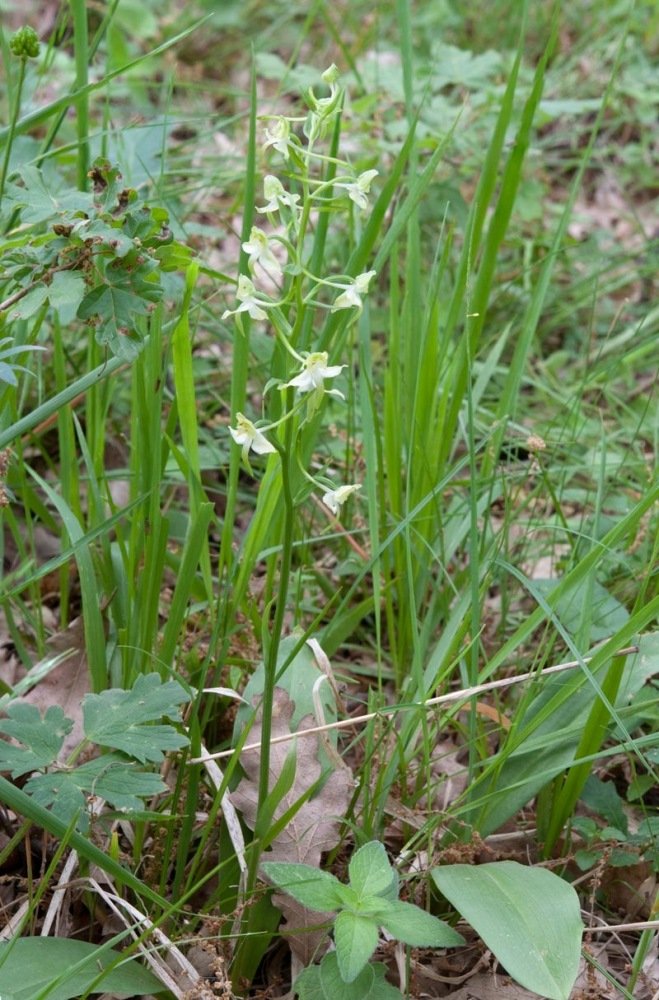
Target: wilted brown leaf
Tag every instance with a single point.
(314, 827)
(66, 684)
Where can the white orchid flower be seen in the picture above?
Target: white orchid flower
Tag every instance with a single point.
(351, 297)
(276, 195)
(249, 438)
(359, 189)
(314, 372)
(335, 498)
(279, 136)
(258, 248)
(246, 295)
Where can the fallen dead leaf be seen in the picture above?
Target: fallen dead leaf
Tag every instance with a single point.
(314, 827)
(66, 684)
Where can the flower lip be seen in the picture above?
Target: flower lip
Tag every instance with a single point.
(250, 437)
(276, 195)
(359, 189)
(246, 296)
(314, 372)
(259, 250)
(335, 498)
(351, 297)
(279, 137)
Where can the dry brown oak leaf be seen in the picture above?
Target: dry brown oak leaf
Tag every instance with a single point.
(314, 827)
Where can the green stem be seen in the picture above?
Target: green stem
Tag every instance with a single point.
(286, 452)
(81, 46)
(12, 126)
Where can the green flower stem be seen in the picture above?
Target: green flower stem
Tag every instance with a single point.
(81, 46)
(286, 452)
(12, 125)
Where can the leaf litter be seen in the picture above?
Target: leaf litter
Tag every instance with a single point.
(315, 826)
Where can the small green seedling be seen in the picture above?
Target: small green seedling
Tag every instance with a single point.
(368, 902)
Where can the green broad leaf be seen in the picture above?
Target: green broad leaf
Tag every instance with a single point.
(528, 917)
(44, 195)
(117, 781)
(313, 888)
(174, 257)
(66, 291)
(118, 718)
(607, 615)
(602, 797)
(30, 303)
(112, 308)
(42, 738)
(308, 985)
(414, 926)
(370, 984)
(356, 938)
(324, 982)
(109, 238)
(30, 965)
(121, 784)
(59, 792)
(586, 859)
(370, 871)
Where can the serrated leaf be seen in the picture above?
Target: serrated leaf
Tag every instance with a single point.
(34, 963)
(45, 195)
(416, 927)
(117, 718)
(310, 886)
(122, 784)
(109, 238)
(369, 984)
(370, 871)
(59, 791)
(528, 917)
(356, 938)
(324, 982)
(113, 307)
(42, 736)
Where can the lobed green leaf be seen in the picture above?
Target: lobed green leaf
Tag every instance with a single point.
(42, 737)
(118, 718)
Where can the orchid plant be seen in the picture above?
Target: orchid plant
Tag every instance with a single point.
(281, 290)
(290, 216)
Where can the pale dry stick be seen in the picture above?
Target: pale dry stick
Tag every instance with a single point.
(463, 694)
(640, 925)
(15, 923)
(160, 969)
(57, 901)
